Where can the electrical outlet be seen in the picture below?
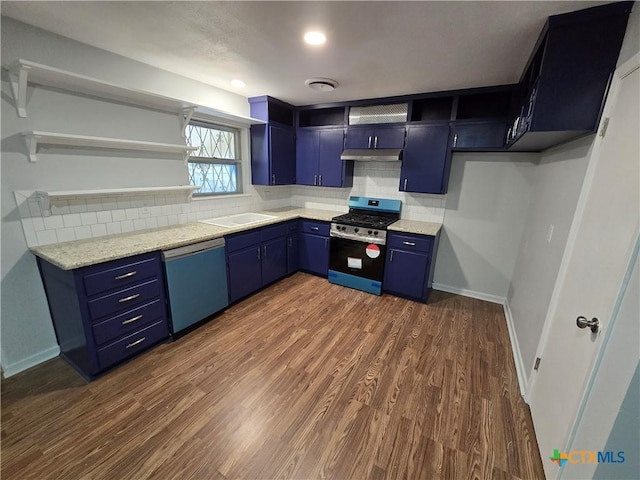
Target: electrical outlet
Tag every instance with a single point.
(550, 233)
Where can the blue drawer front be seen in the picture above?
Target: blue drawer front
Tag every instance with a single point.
(120, 276)
(136, 342)
(242, 240)
(128, 322)
(124, 299)
(418, 243)
(197, 287)
(317, 228)
(292, 226)
(273, 232)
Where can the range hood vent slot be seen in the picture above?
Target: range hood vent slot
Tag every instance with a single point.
(390, 113)
(373, 155)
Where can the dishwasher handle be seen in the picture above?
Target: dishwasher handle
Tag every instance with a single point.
(194, 248)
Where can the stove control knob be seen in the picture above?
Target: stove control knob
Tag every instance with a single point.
(369, 232)
(344, 228)
(375, 232)
(356, 229)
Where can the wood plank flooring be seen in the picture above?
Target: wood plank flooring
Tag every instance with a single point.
(304, 380)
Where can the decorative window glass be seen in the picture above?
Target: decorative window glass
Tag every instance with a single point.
(215, 166)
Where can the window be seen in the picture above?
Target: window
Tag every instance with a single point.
(215, 166)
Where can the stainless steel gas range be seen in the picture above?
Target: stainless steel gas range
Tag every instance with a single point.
(357, 247)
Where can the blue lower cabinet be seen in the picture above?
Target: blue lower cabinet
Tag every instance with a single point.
(244, 270)
(408, 269)
(314, 254)
(106, 313)
(274, 260)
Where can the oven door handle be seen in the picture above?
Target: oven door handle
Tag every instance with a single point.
(348, 236)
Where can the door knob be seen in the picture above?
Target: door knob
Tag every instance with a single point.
(593, 324)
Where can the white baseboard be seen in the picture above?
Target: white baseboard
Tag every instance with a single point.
(469, 293)
(30, 361)
(513, 339)
(517, 355)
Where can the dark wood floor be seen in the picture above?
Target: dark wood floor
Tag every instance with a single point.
(304, 380)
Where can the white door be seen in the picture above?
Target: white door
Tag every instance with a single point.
(598, 250)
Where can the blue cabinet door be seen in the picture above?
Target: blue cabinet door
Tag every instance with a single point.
(333, 172)
(245, 272)
(260, 165)
(292, 254)
(307, 148)
(314, 254)
(426, 160)
(274, 260)
(388, 136)
(406, 274)
(282, 155)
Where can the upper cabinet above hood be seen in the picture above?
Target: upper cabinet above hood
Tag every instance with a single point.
(372, 154)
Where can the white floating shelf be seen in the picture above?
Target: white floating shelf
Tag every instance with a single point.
(22, 72)
(35, 138)
(47, 198)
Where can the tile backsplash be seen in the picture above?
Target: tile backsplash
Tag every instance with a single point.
(80, 219)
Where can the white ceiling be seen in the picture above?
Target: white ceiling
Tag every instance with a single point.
(373, 49)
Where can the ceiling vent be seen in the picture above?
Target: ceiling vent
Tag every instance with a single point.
(321, 84)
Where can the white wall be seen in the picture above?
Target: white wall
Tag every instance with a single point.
(631, 43)
(27, 333)
(557, 183)
(483, 223)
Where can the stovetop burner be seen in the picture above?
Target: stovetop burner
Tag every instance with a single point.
(367, 219)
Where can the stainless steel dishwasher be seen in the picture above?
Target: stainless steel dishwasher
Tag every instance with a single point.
(196, 282)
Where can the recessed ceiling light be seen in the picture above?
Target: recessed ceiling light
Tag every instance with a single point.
(322, 84)
(238, 83)
(315, 38)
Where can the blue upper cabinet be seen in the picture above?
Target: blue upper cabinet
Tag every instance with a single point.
(318, 160)
(273, 150)
(427, 159)
(375, 136)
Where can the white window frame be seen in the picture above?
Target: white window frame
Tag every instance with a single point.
(220, 161)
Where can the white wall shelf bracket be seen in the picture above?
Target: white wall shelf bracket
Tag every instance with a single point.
(18, 76)
(32, 147)
(187, 114)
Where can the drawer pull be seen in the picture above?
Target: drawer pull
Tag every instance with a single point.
(315, 229)
(131, 320)
(411, 244)
(137, 342)
(126, 275)
(129, 298)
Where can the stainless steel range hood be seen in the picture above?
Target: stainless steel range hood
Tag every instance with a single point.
(373, 155)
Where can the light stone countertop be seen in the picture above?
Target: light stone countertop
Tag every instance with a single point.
(415, 226)
(81, 253)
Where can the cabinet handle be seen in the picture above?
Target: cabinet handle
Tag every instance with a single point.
(137, 342)
(326, 243)
(369, 145)
(131, 320)
(455, 140)
(264, 251)
(320, 180)
(315, 229)
(126, 275)
(411, 244)
(258, 253)
(375, 143)
(405, 184)
(391, 257)
(128, 299)
(273, 179)
(315, 179)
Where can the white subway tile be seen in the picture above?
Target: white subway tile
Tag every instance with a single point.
(113, 228)
(104, 217)
(126, 226)
(60, 209)
(47, 237)
(38, 224)
(182, 218)
(82, 232)
(162, 221)
(66, 234)
(139, 224)
(53, 222)
(94, 205)
(118, 215)
(165, 209)
(123, 203)
(77, 205)
(88, 218)
(132, 213)
(71, 220)
(172, 219)
(98, 230)
(110, 203)
(151, 222)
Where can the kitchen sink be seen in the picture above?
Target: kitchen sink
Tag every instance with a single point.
(238, 220)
